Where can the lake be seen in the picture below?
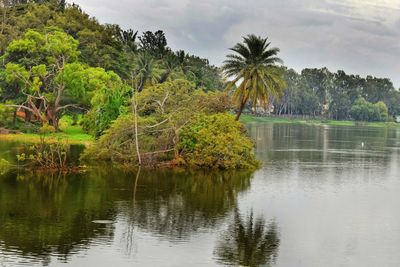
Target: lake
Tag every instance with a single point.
(325, 196)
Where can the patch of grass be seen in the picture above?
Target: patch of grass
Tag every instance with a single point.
(73, 134)
(250, 119)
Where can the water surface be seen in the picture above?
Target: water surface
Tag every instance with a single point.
(325, 196)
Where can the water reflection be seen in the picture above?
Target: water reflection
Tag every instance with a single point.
(248, 242)
(321, 143)
(55, 214)
(179, 204)
(336, 202)
(43, 215)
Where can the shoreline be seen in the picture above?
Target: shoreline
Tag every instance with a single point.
(74, 135)
(284, 120)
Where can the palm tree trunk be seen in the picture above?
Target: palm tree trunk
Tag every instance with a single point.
(241, 107)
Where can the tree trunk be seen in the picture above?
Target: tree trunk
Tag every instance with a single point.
(15, 117)
(240, 110)
(52, 118)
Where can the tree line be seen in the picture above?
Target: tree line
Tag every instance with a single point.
(320, 92)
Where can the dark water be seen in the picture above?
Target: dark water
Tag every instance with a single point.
(326, 196)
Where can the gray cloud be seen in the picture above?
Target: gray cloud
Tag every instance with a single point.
(358, 36)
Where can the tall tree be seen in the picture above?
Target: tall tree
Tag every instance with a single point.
(254, 66)
(154, 43)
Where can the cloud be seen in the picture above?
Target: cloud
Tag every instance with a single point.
(359, 36)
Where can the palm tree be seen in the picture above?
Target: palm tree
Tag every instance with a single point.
(146, 71)
(128, 39)
(255, 66)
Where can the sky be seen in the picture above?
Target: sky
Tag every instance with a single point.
(357, 36)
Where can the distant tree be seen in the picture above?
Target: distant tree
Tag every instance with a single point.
(362, 110)
(128, 39)
(154, 43)
(254, 66)
(340, 103)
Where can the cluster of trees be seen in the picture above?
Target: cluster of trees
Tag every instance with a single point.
(319, 92)
(144, 102)
(147, 103)
(106, 49)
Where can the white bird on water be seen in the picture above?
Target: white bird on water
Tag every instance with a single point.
(362, 144)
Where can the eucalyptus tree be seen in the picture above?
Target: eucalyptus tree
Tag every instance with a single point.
(254, 65)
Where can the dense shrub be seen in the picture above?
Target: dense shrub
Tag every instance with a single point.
(216, 141)
(362, 110)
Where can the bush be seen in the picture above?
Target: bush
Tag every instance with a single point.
(382, 111)
(216, 141)
(4, 166)
(362, 110)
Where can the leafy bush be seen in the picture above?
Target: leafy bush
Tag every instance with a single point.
(382, 111)
(216, 141)
(5, 115)
(4, 166)
(362, 110)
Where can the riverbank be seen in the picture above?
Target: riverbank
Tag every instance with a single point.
(72, 134)
(76, 135)
(266, 119)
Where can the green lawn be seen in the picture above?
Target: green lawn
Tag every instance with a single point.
(266, 119)
(72, 134)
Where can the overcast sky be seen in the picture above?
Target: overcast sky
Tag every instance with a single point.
(358, 36)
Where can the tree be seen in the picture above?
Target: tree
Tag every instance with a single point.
(147, 71)
(154, 43)
(128, 39)
(254, 66)
(362, 110)
(340, 103)
(37, 63)
(109, 99)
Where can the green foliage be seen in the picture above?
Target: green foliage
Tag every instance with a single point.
(108, 100)
(319, 92)
(40, 64)
(163, 110)
(216, 141)
(254, 66)
(362, 110)
(4, 166)
(6, 114)
(382, 110)
(46, 156)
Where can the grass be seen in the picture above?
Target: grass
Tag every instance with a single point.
(250, 118)
(72, 134)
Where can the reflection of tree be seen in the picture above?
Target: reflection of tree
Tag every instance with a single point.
(248, 242)
(44, 214)
(41, 215)
(175, 204)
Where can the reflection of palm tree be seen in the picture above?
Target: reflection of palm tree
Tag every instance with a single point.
(176, 204)
(248, 242)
